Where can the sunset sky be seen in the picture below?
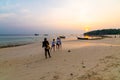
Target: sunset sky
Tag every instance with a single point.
(42, 16)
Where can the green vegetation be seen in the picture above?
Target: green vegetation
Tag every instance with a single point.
(103, 32)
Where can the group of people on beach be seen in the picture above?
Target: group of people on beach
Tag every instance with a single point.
(56, 44)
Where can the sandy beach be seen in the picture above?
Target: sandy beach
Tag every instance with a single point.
(87, 60)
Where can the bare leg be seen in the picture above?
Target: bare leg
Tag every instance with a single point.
(53, 48)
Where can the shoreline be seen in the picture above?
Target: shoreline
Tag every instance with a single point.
(14, 45)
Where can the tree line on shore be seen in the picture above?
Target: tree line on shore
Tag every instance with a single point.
(103, 32)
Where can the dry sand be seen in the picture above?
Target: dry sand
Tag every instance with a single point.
(86, 60)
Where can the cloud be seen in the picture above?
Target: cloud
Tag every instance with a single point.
(6, 15)
(25, 11)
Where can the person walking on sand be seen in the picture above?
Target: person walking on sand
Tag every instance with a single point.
(45, 45)
(58, 43)
(53, 45)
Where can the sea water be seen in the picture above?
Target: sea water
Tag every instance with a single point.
(9, 40)
(20, 39)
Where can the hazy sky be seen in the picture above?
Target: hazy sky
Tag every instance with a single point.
(42, 16)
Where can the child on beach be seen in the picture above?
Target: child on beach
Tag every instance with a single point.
(53, 45)
(58, 43)
(45, 45)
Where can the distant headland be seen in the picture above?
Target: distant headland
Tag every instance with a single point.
(103, 32)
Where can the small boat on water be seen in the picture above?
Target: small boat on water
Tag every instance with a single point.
(63, 37)
(36, 34)
(82, 38)
(45, 34)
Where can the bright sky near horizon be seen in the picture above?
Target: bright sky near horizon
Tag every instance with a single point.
(42, 16)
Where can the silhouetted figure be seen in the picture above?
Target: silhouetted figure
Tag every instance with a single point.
(45, 45)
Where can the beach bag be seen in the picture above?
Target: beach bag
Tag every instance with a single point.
(48, 47)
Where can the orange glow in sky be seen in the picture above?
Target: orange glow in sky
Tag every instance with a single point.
(87, 28)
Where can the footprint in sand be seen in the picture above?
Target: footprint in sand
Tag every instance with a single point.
(83, 65)
(6, 62)
(42, 78)
(56, 77)
(10, 64)
(64, 60)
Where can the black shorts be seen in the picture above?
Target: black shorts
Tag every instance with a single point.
(53, 45)
(57, 44)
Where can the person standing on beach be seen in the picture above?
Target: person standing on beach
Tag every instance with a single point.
(53, 45)
(45, 45)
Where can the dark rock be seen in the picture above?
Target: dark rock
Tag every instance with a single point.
(71, 74)
(69, 50)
